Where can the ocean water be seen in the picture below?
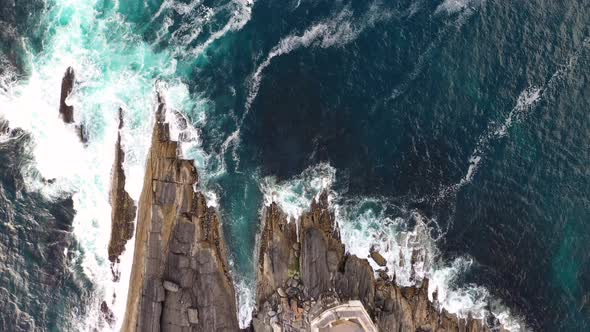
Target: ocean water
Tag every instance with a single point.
(455, 128)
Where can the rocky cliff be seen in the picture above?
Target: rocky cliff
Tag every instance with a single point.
(123, 206)
(301, 275)
(180, 279)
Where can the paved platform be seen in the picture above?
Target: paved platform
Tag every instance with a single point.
(347, 317)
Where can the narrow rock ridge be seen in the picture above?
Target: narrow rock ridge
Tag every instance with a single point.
(66, 112)
(123, 206)
(180, 279)
(297, 281)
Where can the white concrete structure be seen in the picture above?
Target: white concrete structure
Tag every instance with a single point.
(347, 317)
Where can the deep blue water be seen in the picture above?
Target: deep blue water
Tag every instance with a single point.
(398, 97)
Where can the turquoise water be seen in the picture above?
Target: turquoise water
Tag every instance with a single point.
(459, 127)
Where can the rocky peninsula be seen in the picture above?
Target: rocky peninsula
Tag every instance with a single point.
(180, 279)
(306, 281)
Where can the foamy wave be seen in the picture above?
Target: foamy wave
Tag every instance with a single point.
(339, 30)
(245, 301)
(454, 6)
(241, 15)
(403, 236)
(526, 101)
(295, 196)
(194, 18)
(469, 300)
(449, 28)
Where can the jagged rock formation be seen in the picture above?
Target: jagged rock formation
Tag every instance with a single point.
(66, 112)
(123, 206)
(302, 275)
(180, 280)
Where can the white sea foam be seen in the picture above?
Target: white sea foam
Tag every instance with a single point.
(194, 18)
(454, 6)
(245, 301)
(241, 15)
(295, 196)
(455, 25)
(526, 101)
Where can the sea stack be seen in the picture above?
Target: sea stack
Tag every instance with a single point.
(180, 280)
(123, 206)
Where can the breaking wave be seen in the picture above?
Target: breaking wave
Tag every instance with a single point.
(526, 102)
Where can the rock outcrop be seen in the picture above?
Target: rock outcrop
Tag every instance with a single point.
(180, 279)
(300, 276)
(67, 85)
(66, 112)
(123, 206)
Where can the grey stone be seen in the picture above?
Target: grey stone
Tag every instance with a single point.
(315, 274)
(292, 291)
(171, 286)
(183, 262)
(332, 261)
(165, 193)
(193, 315)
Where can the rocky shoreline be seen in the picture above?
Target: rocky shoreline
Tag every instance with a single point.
(300, 276)
(181, 281)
